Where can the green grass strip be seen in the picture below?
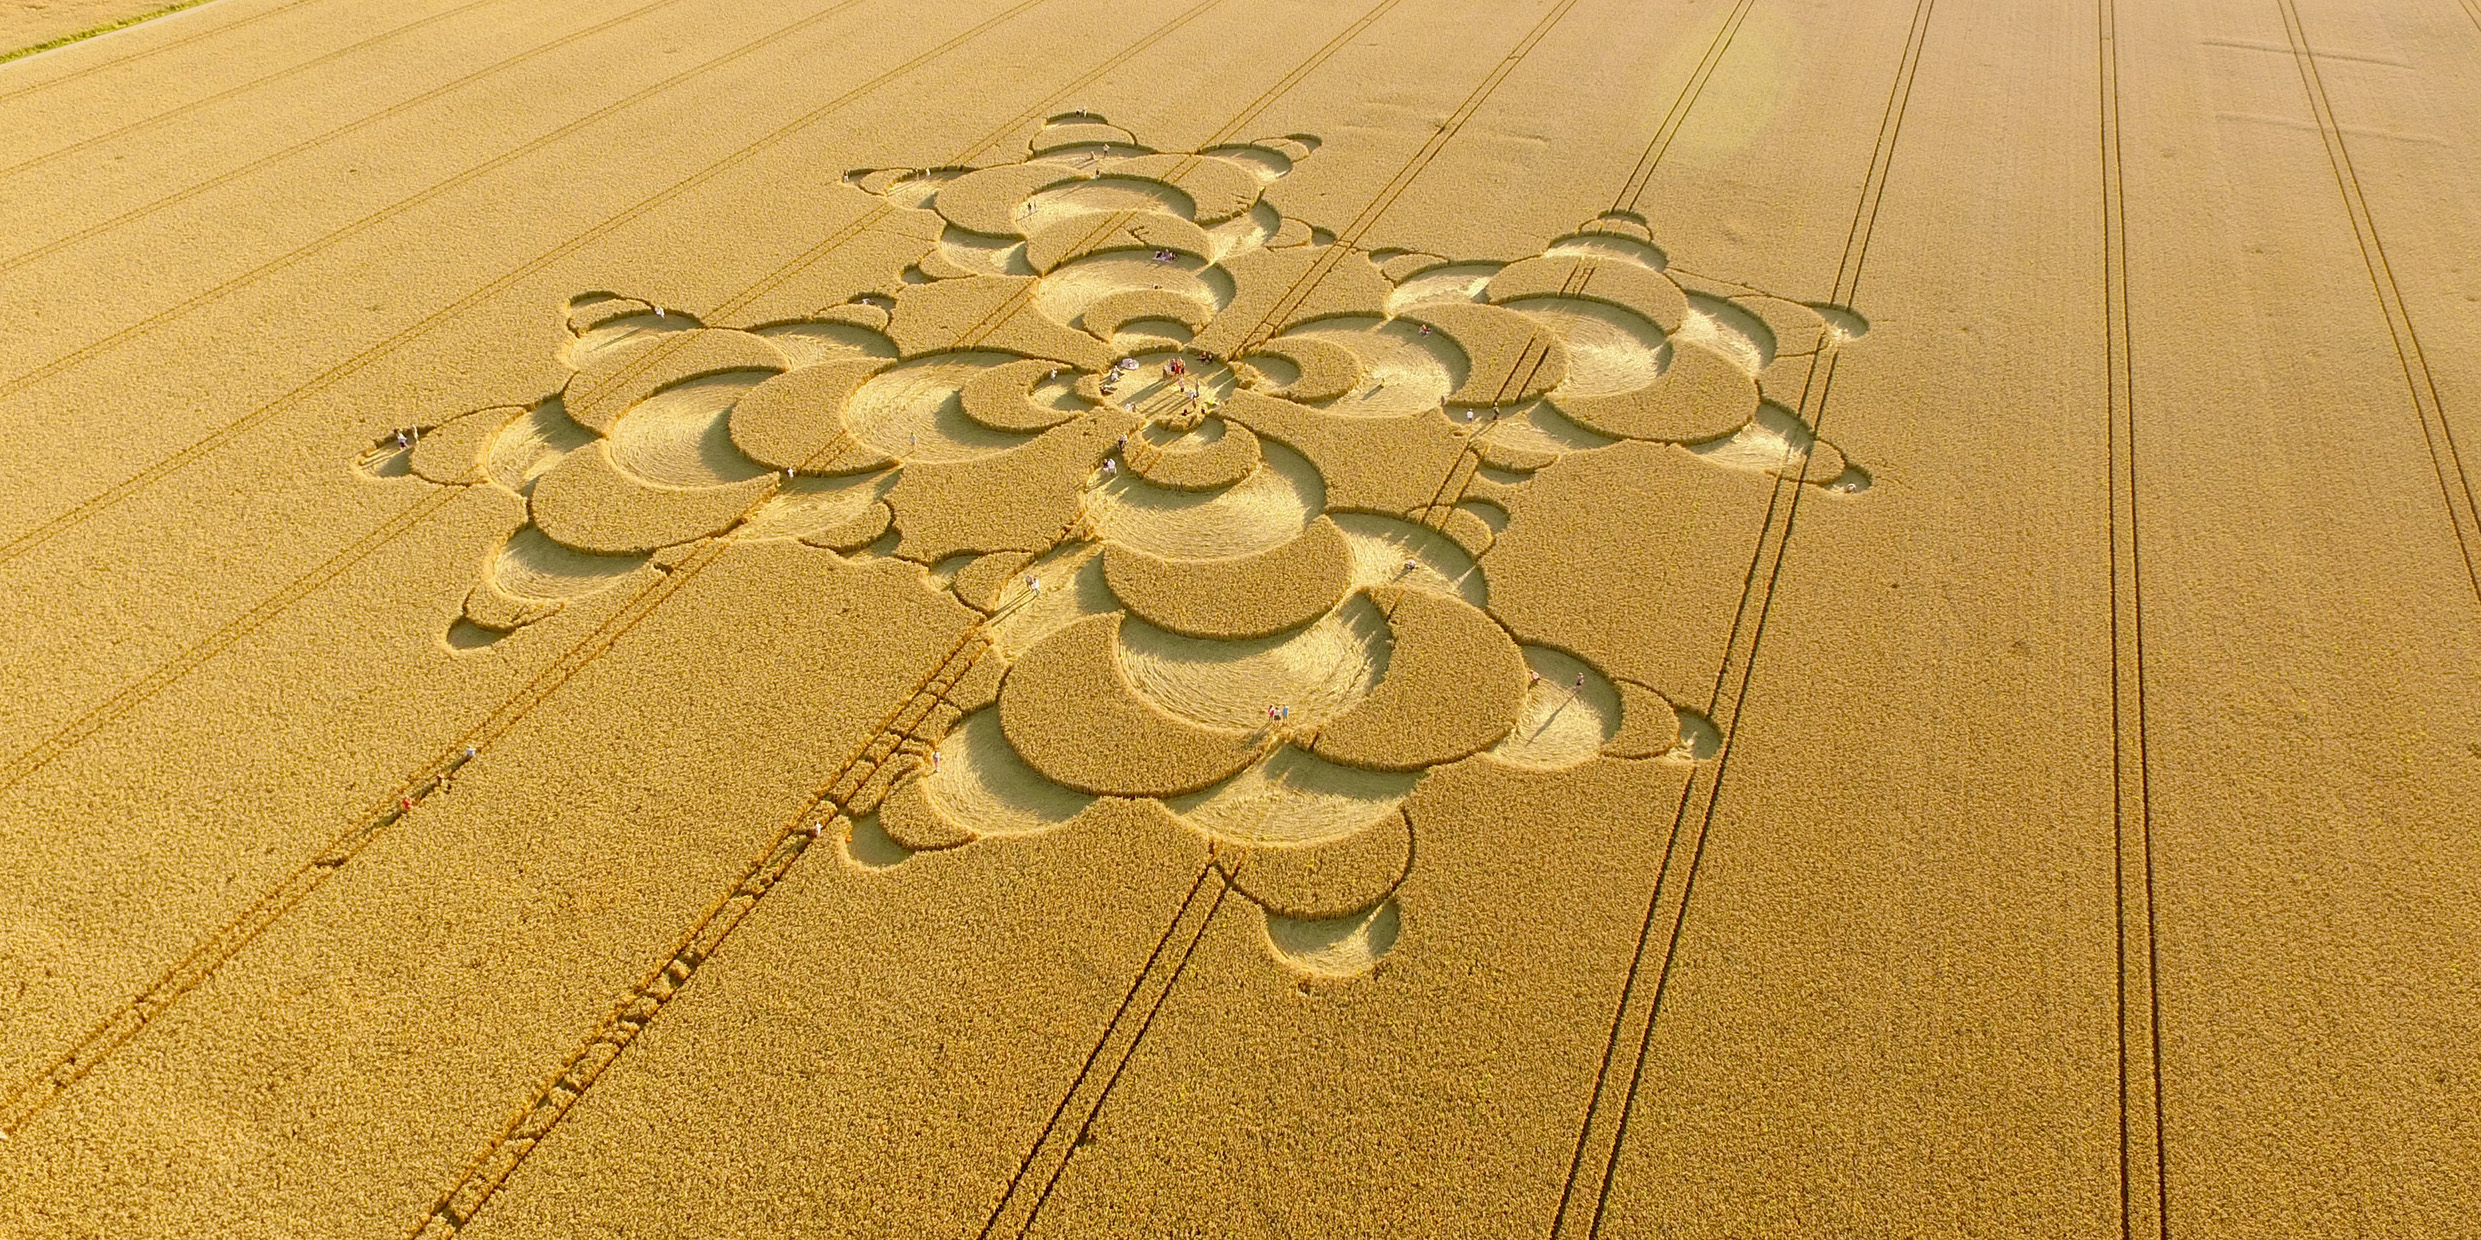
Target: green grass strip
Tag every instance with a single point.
(106, 28)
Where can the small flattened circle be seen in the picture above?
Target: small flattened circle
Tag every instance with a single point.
(1076, 236)
(1218, 189)
(1320, 369)
(1003, 397)
(1106, 317)
(1216, 454)
(1071, 714)
(1699, 396)
(990, 200)
(1248, 596)
(796, 419)
(1512, 357)
(624, 375)
(1621, 283)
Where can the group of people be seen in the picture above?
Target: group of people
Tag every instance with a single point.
(1193, 395)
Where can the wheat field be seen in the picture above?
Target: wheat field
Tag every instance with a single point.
(1688, 618)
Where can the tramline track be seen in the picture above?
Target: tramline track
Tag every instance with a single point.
(322, 138)
(124, 1023)
(333, 375)
(2420, 385)
(1586, 1195)
(2144, 1176)
(118, 61)
(229, 92)
(116, 1029)
(1452, 489)
(399, 524)
(853, 790)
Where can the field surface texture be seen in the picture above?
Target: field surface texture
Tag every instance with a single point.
(1414, 618)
